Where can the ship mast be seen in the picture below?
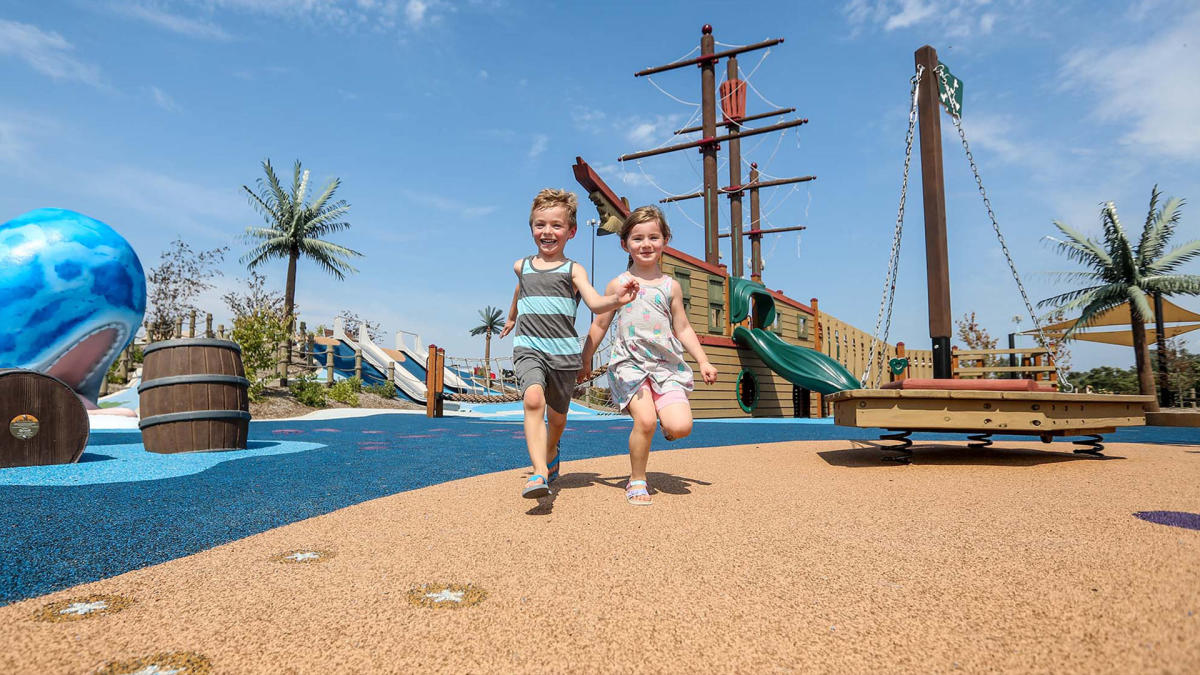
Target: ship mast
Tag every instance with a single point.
(733, 108)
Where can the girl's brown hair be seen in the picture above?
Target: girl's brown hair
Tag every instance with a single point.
(644, 214)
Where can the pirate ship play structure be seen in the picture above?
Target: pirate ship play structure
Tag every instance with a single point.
(779, 357)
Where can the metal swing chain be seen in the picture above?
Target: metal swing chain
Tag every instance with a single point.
(1064, 385)
(889, 281)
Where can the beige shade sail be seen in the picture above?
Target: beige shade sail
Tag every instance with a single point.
(1119, 316)
(1120, 337)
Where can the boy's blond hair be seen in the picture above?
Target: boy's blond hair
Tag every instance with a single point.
(549, 198)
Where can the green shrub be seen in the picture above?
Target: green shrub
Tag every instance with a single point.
(386, 390)
(259, 334)
(346, 391)
(309, 392)
(255, 391)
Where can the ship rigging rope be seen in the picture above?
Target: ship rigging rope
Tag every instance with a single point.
(756, 91)
(1064, 385)
(889, 279)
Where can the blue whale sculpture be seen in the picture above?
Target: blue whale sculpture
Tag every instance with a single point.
(72, 295)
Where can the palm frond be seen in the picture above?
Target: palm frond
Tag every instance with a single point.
(1139, 301)
(1080, 248)
(1173, 284)
(1179, 255)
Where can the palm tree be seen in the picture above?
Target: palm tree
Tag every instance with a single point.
(491, 325)
(1120, 272)
(294, 229)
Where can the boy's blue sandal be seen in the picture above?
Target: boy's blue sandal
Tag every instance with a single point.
(536, 491)
(553, 473)
(637, 488)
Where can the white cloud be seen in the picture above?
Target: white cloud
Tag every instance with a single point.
(1152, 87)
(911, 12)
(483, 74)
(175, 203)
(46, 52)
(163, 100)
(658, 131)
(18, 133)
(540, 141)
(175, 23)
(414, 12)
(952, 18)
(440, 203)
(619, 172)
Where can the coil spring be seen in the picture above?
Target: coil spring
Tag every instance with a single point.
(1091, 445)
(979, 440)
(902, 437)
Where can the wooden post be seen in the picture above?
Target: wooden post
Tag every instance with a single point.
(192, 324)
(708, 100)
(208, 332)
(953, 363)
(358, 362)
(1037, 361)
(900, 352)
(221, 331)
(735, 180)
(431, 389)
(178, 327)
(755, 224)
(441, 379)
(391, 371)
(328, 366)
(937, 265)
(281, 363)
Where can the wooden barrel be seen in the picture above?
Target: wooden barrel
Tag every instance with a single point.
(44, 421)
(193, 396)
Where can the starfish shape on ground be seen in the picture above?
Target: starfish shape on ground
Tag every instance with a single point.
(446, 595)
(155, 669)
(82, 608)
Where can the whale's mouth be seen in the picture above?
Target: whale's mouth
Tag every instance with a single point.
(80, 362)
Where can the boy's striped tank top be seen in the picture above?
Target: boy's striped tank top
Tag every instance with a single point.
(546, 305)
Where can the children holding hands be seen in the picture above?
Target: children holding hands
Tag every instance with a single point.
(546, 350)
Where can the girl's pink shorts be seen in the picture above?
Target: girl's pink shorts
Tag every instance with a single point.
(665, 399)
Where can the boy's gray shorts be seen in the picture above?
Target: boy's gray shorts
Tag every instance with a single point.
(557, 385)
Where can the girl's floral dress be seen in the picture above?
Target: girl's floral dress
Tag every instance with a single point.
(644, 348)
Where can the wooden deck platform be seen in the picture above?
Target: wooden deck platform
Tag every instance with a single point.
(983, 413)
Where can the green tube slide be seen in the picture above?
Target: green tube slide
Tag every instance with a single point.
(801, 366)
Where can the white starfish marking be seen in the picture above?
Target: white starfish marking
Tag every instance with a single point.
(155, 669)
(446, 595)
(82, 608)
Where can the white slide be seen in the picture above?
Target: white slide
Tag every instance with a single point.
(404, 380)
(421, 355)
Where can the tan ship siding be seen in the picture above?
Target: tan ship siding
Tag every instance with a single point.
(851, 347)
(697, 307)
(720, 399)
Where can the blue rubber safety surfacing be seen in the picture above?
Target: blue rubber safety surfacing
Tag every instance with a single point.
(116, 514)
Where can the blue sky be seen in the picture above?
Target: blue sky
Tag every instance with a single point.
(443, 119)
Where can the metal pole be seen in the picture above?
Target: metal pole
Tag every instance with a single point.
(593, 223)
(937, 266)
(708, 101)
